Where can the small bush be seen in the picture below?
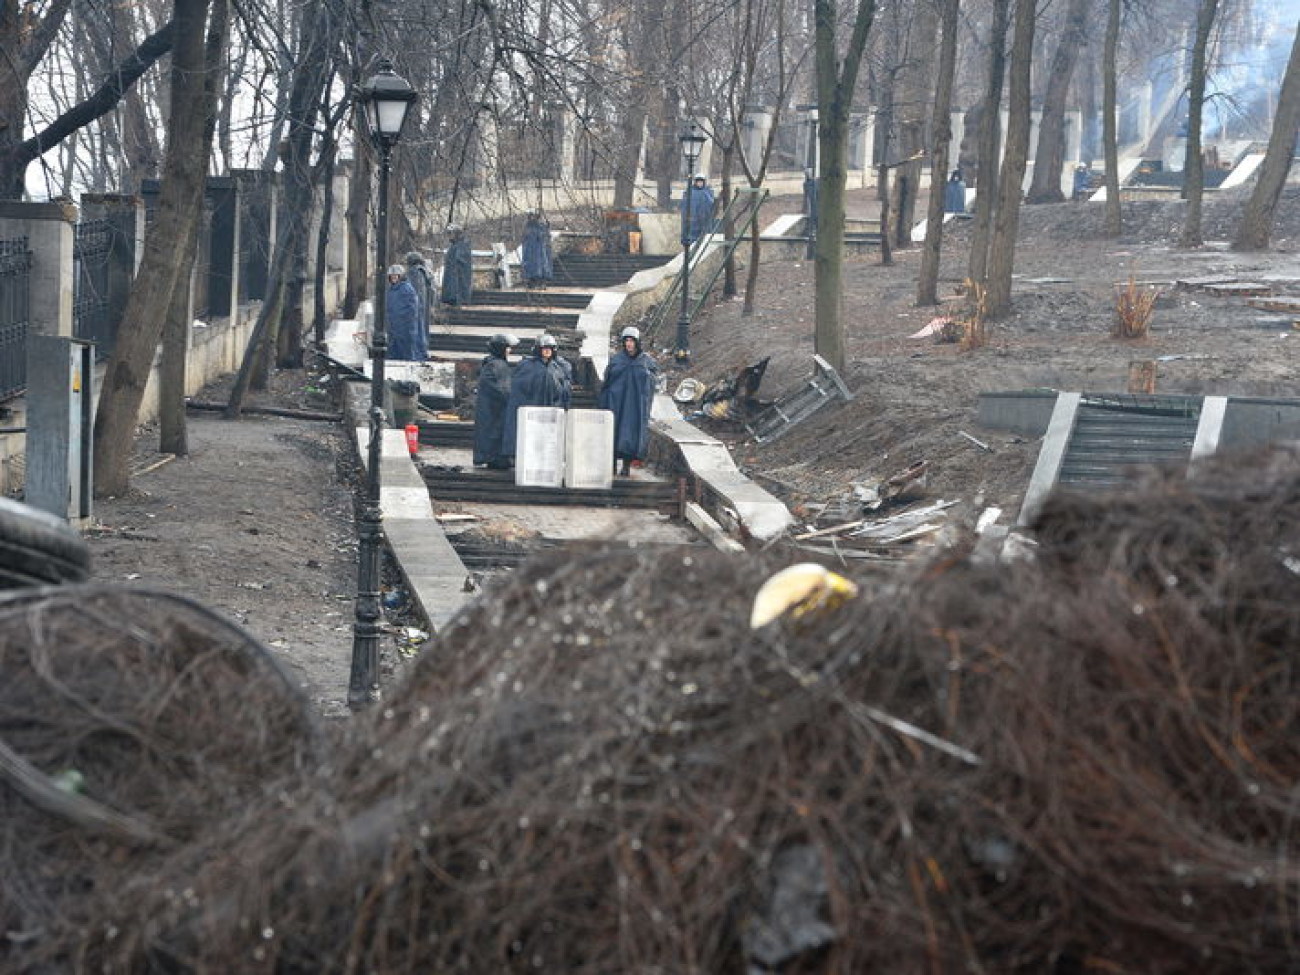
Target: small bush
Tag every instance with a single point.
(976, 332)
(1133, 311)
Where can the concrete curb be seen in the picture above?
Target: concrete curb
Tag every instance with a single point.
(435, 576)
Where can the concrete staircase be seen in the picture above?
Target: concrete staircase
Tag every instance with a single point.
(1097, 441)
(568, 300)
(601, 270)
(1111, 438)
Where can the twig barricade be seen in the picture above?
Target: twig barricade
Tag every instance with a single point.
(1084, 763)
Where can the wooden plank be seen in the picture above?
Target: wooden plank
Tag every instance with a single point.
(1196, 284)
(1276, 303)
(1239, 289)
(708, 527)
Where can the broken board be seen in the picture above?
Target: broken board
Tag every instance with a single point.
(1239, 289)
(1200, 284)
(1280, 303)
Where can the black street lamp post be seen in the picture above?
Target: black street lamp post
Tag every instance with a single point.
(386, 99)
(692, 141)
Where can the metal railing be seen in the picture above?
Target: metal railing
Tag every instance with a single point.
(740, 215)
(15, 277)
(91, 254)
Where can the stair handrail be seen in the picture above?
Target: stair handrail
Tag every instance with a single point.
(751, 196)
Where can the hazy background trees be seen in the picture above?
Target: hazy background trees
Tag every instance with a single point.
(551, 95)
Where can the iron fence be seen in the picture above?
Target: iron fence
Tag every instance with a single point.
(91, 318)
(15, 277)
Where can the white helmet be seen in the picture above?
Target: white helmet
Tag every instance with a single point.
(396, 269)
(700, 176)
(547, 342)
(631, 332)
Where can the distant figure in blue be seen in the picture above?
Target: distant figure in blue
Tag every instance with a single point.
(628, 391)
(404, 319)
(490, 403)
(457, 268)
(954, 193)
(539, 268)
(543, 379)
(1082, 179)
(421, 278)
(697, 210)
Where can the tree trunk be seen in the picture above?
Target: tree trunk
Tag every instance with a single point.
(1049, 159)
(886, 231)
(989, 140)
(176, 221)
(927, 283)
(311, 75)
(319, 311)
(173, 435)
(631, 139)
(729, 227)
(1002, 242)
(1256, 227)
(1194, 166)
(358, 220)
(915, 86)
(835, 86)
(1109, 119)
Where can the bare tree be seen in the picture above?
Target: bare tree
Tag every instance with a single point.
(1194, 166)
(1006, 219)
(990, 139)
(193, 97)
(918, 33)
(1256, 227)
(1049, 158)
(769, 53)
(1109, 117)
(927, 282)
(16, 153)
(837, 78)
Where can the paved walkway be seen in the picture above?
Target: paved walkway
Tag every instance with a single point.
(257, 523)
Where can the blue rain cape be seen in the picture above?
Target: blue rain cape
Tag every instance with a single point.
(537, 260)
(628, 391)
(458, 273)
(700, 200)
(408, 338)
(490, 408)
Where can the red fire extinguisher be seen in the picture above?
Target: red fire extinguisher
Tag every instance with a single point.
(413, 439)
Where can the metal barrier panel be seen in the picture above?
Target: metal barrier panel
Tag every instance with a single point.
(15, 274)
(91, 255)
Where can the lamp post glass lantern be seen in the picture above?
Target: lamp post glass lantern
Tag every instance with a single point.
(386, 100)
(692, 142)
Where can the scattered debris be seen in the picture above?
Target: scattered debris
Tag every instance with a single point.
(824, 387)
(732, 397)
(978, 443)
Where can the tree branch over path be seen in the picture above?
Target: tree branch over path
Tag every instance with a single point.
(101, 102)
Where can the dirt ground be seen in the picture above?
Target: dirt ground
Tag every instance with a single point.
(915, 397)
(258, 521)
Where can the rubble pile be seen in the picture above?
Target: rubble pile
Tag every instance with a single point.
(1083, 761)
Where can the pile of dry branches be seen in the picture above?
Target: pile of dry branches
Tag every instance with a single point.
(129, 723)
(1083, 763)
